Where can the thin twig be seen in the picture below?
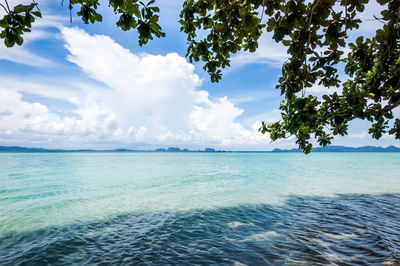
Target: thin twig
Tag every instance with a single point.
(378, 19)
(9, 10)
(70, 12)
(345, 17)
(37, 6)
(4, 8)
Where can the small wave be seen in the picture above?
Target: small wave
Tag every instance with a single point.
(265, 235)
(340, 236)
(237, 224)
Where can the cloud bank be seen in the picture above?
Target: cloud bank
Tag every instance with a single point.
(142, 98)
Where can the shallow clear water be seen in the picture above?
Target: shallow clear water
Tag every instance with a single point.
(204, 208)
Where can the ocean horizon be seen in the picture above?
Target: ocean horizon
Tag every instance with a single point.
(330, 148)
(240, 208)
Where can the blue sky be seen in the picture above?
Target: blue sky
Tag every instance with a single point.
(92, 86)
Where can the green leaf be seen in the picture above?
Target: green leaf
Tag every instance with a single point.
(37, 13)
(22, 8)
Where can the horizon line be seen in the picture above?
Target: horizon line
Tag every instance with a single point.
(177, 149)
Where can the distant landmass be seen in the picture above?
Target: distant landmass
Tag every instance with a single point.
(170, 149)
(176, 149)
(346, 149)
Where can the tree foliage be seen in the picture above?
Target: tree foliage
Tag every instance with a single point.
(315, 34)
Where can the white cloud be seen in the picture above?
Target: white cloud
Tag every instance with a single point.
(22, 54)
(360, 135)
(154, 92)
(319, 90)
(144, 99)
(34, 122)
(268, 52)
(268, 117)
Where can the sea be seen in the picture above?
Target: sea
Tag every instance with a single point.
(199, 208)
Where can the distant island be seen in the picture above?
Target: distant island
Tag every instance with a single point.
(176, 149)
(347, 149)
(170, 149)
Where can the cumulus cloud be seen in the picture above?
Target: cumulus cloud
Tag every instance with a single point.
(26, 121)
(154, 94)
(142, 98)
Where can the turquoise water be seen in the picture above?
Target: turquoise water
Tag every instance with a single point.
(206, 208)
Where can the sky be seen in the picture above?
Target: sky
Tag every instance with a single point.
(78, 86)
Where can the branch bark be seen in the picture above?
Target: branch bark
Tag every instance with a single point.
(389, 108)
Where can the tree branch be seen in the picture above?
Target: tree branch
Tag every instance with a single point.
(9, 10)
(389, 108)
(378, 19)
(309, 23)
(4, 8)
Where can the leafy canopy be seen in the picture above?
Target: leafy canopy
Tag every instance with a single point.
(315, 34)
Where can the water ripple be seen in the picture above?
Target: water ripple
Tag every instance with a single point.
(342, 230)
